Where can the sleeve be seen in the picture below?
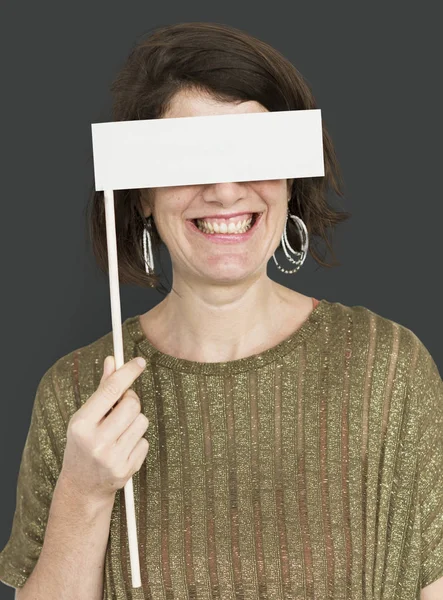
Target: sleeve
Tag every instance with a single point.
(39, 469)
(430, 463)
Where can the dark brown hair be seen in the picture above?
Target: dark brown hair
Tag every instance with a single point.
(232, 66)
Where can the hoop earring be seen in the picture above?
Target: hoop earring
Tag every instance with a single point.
(285, 245)
(149, 259)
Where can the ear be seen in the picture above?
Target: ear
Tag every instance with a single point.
(145, 202)
(290, 182)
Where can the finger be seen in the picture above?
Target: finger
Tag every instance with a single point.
(111, 389)
(132, 434)
(122, 416)
(108, 367)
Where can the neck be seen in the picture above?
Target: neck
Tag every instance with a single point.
(224, 323)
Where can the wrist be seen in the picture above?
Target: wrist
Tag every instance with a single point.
(88, 503)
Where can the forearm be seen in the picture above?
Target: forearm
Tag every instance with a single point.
(71, 562)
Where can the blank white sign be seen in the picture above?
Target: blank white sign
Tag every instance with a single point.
(207, 149)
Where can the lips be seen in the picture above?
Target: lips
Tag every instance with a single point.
(232, 238)
(215, 219)
(230, 216)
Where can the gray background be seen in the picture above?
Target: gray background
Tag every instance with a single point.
(375, 73)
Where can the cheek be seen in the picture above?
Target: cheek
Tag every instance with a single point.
(272, 190)
(171, 201)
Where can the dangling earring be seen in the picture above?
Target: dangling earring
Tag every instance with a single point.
(149, 260)
(285, 245)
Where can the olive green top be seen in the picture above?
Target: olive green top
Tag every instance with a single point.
(313, 469)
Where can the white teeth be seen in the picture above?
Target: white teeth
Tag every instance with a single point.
(240, 227)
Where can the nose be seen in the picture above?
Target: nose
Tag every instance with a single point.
(225, 192)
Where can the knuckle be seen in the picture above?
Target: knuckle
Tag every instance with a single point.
(119, 472)
(122, 472)
(118, 476)
(133, 402)
(144, 450)
(76, 427)
(144, 419)
(96, 455)
(97, 452)
(116, 470)
(111, 388)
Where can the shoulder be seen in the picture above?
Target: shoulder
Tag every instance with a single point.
(373, 332)
(391, 358)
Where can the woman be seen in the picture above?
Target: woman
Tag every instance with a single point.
(295, 444)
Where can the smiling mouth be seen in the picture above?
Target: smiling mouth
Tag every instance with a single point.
(254, 218)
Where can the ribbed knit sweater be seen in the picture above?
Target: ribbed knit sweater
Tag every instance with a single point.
(313, 469)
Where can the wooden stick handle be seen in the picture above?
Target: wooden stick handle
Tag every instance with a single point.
(119, 362)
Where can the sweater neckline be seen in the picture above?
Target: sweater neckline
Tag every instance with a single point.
(146, 349)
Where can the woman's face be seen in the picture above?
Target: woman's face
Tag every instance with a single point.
(197, 256)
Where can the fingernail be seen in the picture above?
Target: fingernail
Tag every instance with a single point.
(141, 361)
